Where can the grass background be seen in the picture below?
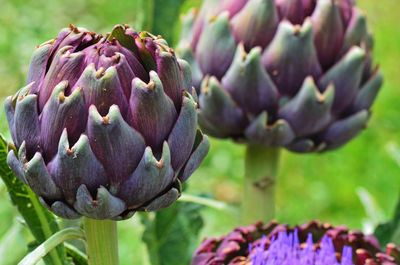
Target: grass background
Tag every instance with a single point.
(311, 186)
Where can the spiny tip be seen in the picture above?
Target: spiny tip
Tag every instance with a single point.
(296, 30)
(100, 72)
(106, 119)
(151, 85)
(61, 97)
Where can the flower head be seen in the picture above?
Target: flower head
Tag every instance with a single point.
(312, 243)
(105, 126)
(289, 73)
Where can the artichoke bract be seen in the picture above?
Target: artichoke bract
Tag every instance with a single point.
(286, 73)
(105, 126)
(310, 243)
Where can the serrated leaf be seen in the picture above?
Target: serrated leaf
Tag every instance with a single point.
(40, 221)
(390, 231)
(171, 234)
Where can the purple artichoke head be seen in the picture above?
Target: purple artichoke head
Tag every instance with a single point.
(307, 244)
(105, 126)
(288, 73)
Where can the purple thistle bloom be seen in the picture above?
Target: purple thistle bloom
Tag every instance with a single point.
(286, 250)
(312, 243)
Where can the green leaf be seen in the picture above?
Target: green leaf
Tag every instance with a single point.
(161, 17)
(375, 214)
(217, 205)
(390, 231)
(166, 14)
(11, 242)
(171, 234)
(39, 220)
(77, 256)
(52, 242)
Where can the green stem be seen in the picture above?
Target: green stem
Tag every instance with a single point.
(261, 168)
(102, 241)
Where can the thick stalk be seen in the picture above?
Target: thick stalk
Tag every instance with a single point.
(102, 241)
(261, 168)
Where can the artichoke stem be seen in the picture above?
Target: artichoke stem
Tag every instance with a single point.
(102, 241)
(261, 168)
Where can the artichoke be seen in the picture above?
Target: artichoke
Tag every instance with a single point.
(284, 73)
(248, 245)
(105, 126)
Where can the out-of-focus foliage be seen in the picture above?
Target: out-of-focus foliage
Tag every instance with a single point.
(317, 186)
(170, 234)
(390, 231)
(41, 223)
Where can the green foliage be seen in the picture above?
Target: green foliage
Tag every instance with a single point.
(161, 17)
(390, 231)
(171, 235)
(52, 242)
(11, 242)
(75, 254)
(40, 221)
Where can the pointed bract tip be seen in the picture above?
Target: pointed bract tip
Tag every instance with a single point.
(61, 97)
(296, 30)
(70, 151)
(106, 120)
(100, 72)
(151, 85)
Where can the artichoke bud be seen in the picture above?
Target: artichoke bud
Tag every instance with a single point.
(277, 59)
(107, 125)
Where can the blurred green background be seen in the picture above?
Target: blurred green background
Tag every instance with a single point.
(313, 186)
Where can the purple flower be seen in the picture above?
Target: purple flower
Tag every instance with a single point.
(105, 126)
(286, 250)
(312, 243)
(289, 73)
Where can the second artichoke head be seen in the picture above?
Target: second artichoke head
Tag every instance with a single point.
(288, 73)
